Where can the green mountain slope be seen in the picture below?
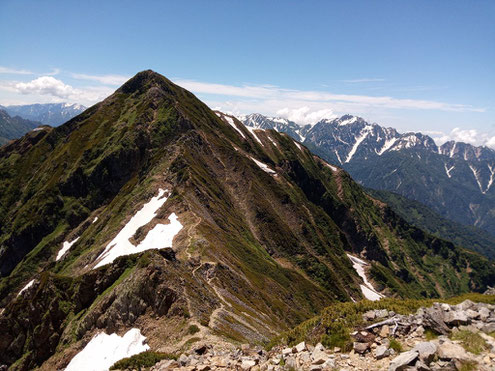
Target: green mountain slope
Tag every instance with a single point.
(265, 228)
(421, 216)
(13, 127)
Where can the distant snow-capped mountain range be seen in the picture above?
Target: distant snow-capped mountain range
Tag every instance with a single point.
(52, 114)
(455, 179)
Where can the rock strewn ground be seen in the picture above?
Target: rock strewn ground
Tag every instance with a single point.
(372, 348)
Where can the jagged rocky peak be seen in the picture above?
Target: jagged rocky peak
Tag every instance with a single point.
(466, 151)
(416, 141)
(282, 125)
(342, 121)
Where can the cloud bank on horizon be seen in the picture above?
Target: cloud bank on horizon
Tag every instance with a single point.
(301, 106)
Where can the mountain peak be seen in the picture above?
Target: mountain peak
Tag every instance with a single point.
(145, 80)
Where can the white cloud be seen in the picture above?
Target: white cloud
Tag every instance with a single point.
(305, 115)
(14, 71)
(47, 89)
(115, 80)
(273, 93)
(45, 85)
(471, 136)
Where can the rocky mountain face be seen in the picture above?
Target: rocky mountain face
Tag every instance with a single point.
(455, 179)
(281, 125)
(14, 127)
(149, 215)
(52, 114)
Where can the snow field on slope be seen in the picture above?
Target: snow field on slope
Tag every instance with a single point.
(104, 350)
(65, 247)
(231, 122)
(263, 166)
(28, 285)
(159, 237)
(367, 289)
(332, 167)
(251, 130)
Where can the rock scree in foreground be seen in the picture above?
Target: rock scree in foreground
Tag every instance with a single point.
(441, 337)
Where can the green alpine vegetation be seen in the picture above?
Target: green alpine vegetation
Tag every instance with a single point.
(423, 217)
(261, 232)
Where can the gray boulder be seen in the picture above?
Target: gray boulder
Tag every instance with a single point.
(434, 318)
(448, 350)
(456, 317)
(382, 351)
(403, 360)
(361, 347)
(319, 356)
(426, 351)
(484, 313)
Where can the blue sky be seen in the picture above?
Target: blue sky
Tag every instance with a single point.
(413, 65)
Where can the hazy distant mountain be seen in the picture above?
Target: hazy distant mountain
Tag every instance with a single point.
(455, 179)
(14, 127)
(52, 114)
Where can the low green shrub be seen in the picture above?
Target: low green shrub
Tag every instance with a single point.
(141, 360)
(470, 341)
(395, 345)
(430, 334)
(192, 329)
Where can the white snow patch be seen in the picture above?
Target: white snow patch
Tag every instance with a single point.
(121, 245)
(279, 120)
(28, 285)
(271, 140)
(475, 173)
(348, 121)
(298, 145)
(104, 350)
(492, 175)
(332, 167)
(370, 294)
(452, 150)
(65, 247)
(447, 171)
(367, 289)
(386, 146)
(37, 129)
(263, 166)
(364, 133)
(161, 235)
(338, 156)
(95, 219)
(251, 130)
(231, 122)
